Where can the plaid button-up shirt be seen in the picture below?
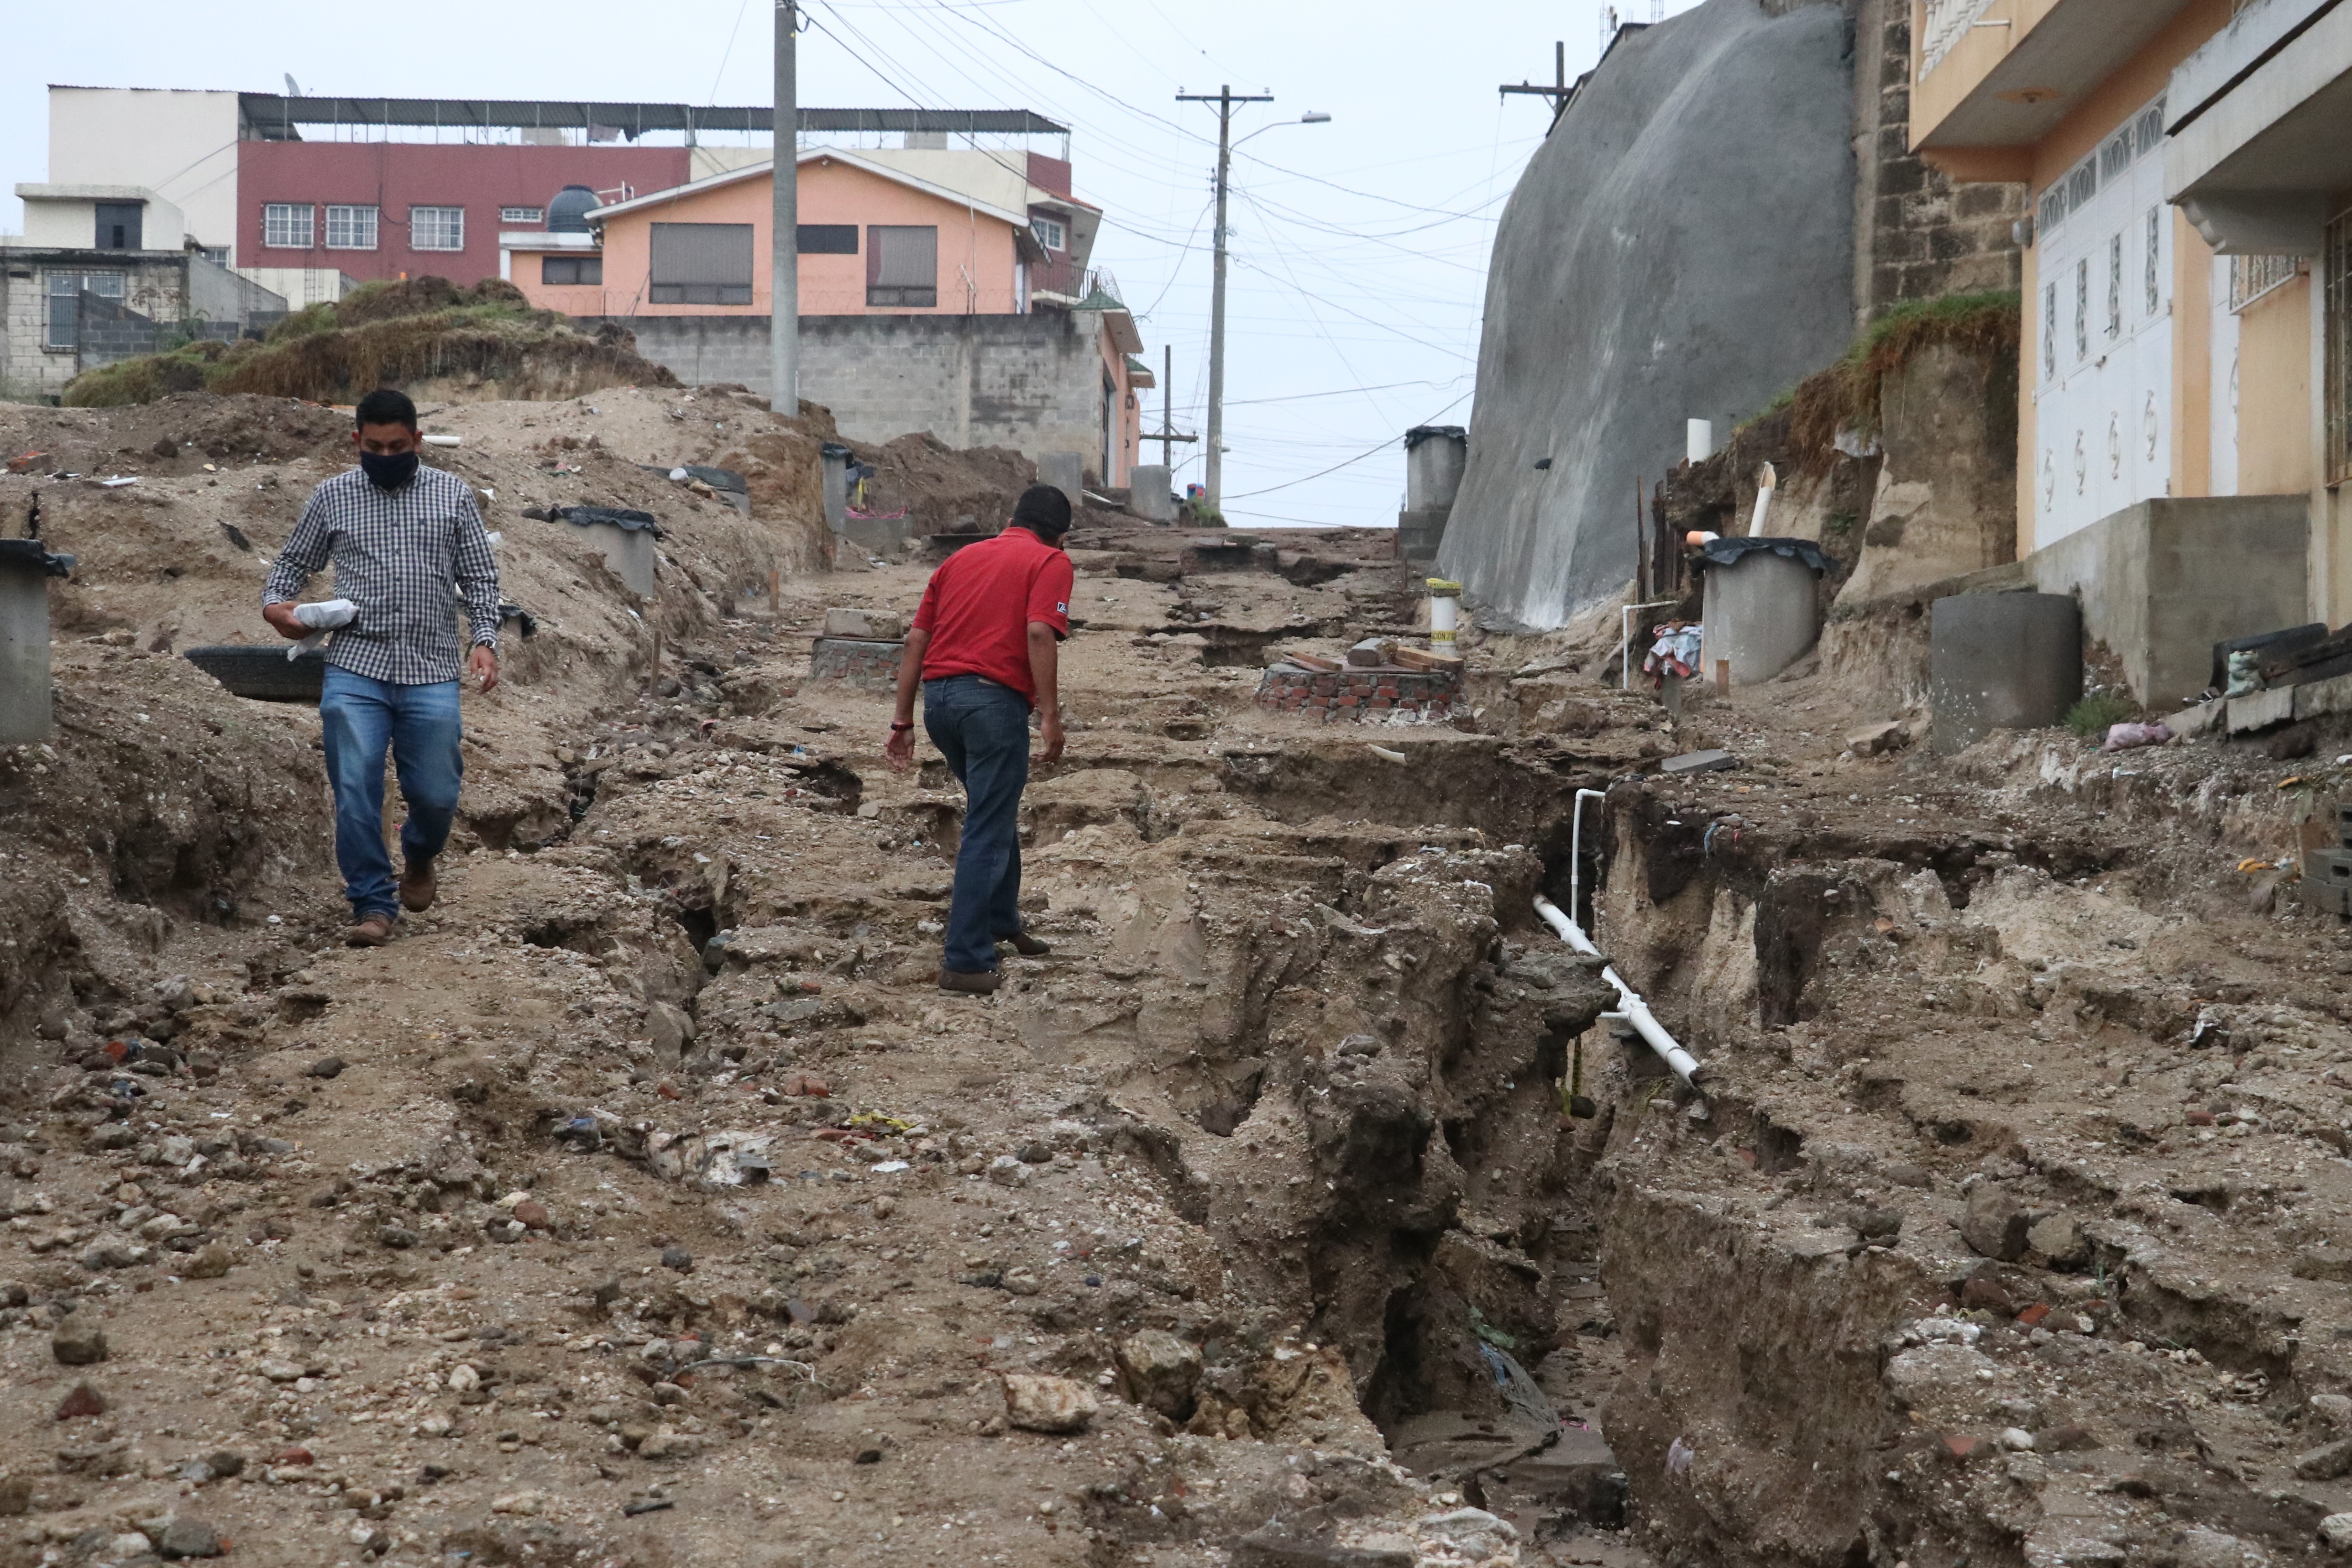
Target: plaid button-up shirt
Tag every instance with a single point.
(404, 557)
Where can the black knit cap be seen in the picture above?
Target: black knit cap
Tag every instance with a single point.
(1044, 510)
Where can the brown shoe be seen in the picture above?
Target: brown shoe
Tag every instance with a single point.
(418, 887)
(372, 931)
(1027, 946)
(975, 983)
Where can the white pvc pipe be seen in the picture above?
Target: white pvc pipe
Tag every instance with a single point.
(1625, 638)
(1576, 847)
(1698, 439)
(1443, 609)
(1636, 1012)
(1765, 488)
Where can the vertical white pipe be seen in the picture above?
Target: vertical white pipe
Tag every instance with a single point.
(1444, 606)
(1698, 436)
(1576, 847)
(1764, 489)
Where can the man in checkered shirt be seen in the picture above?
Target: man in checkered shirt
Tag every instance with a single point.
(407, 544)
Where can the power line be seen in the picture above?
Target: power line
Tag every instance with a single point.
(1368, 452)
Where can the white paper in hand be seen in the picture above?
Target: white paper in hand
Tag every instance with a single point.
(322, 617)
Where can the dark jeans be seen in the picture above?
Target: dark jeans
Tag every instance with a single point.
(363, 718)
(982, 730)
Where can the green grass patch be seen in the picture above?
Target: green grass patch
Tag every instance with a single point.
(2091, 717)
(1846, 396)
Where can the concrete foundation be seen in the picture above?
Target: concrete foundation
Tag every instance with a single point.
(2160, 582)
(868, 665)
(1149, 495)
(25, 715)
(2002, 661)
(1421, 533)
(1067, 472)
(1762, 615)
(629, 551)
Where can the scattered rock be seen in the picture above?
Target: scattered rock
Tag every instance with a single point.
(79, 1401)
(1981, 1291)
(1263, 1551)
(1877, 739)
(77, 1344)
(2200, 1548)
(2326, 1463)
(667, 1446)
(2335, 1531)
(209, 1261)
(224, 1462)
(188, 1537)
(2329, 1264)
(1161, 1372)
(1036, 1402)
(533, 1213)
(2335, 1409)
(325, 1067)
(678, 1257)
(2060, 1240)
(1996, 1226)
(1007, 1171)
(1469, 1535)
(2064, 1439)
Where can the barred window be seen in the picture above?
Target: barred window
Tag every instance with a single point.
(350, 229)
(65, 290)
(2155, 253)
(436, 229)
(2252, 278)
(2050, 331)
(289, 226)
(2082, 309)
(2337, 301)
(522, 215)
(2115, 286)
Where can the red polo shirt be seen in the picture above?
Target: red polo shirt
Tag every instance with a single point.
(981, 602)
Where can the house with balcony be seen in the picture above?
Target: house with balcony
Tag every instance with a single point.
(2173, 465)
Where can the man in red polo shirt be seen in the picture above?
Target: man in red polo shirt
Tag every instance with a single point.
(985, 648)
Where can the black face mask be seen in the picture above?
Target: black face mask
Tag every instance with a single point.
(388, 470)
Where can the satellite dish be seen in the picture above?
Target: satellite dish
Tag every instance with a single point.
(292, 88)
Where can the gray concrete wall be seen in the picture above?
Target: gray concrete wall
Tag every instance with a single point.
(1681, 245)
(1032, 382)
(2162, 581)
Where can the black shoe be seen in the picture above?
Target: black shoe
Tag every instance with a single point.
(973, 982)
(1027, 946)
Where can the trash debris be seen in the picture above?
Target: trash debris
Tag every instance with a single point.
(1674, 650)
(2125, 737)
(1679, 1456)
(323, 617)
(710, 1159)
(1698, 763)
(440, 440)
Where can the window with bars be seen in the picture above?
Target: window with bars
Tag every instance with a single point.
(902, 267)
(436, 229)
(289, 226)
(568, 270)
(2252, 278)
(350, 227)
(701, 264)
(65, 289)
(522, 215)
(2049, 330)
(2115, 286)
(2155, 252)
(2336, 260)
(2082, 309)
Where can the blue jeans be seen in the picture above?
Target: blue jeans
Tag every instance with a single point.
(982, 730)
(363, 718)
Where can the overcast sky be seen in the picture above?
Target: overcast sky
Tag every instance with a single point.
(1360, 248)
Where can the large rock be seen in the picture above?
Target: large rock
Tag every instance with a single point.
(1614, 313)
(78, 1342)
(1161, 1372)
(1035, 1402)
(1996, 1224)
(1947, 500)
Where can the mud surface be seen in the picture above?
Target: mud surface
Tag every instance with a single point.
(646, 1204)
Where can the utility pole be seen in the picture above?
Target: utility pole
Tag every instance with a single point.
(1559, 93)
(1167, 436)
(784, 258)
(1213, 480)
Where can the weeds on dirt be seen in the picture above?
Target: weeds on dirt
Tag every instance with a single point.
(1845, 396)
(386, 334)
(2091, 717)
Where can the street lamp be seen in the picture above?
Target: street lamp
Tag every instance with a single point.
(1224, 99)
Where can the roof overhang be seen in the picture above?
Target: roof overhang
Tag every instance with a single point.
(275, 117)
(38, 192)
(2023, 66)
(765, 168)
(528, 239)
(1120, 325)
(2258, 147)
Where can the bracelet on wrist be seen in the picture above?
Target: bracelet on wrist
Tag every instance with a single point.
(899, 726)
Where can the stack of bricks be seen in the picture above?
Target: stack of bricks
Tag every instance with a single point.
(865, 663)
(1353, 693)
(2327, 873)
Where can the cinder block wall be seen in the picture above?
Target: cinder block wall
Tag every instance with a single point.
(1032, 382)
(1917, 235)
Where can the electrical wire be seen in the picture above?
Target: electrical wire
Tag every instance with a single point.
(1368, 452)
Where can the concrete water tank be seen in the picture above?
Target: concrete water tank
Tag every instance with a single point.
(26, 569)
(1150, 493)
(836, 458)
(1761, 615)
(1067, 472)
(1435, 458)
(625, 537)
(2002, 661)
